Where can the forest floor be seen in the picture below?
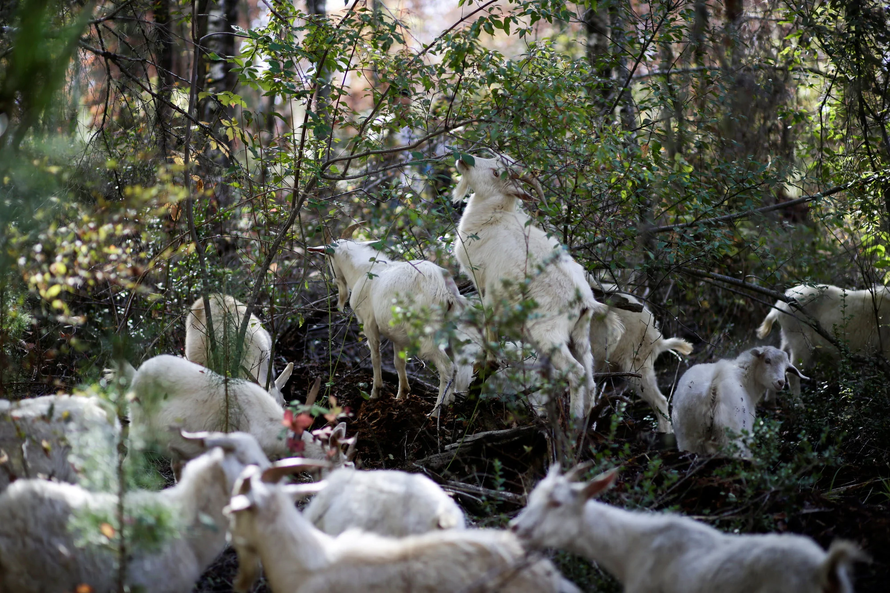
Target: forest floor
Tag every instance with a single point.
(489, 455)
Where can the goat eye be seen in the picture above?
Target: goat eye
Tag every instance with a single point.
(768, 361)
(554, 503)
(496, 173)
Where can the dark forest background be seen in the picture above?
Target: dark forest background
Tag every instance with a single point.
(706, 155)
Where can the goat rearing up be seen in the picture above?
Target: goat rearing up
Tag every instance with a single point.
(500, 249)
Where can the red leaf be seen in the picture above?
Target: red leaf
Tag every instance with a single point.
(295, 445)
(297, 423)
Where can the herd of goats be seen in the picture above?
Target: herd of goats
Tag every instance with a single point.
(386, 530)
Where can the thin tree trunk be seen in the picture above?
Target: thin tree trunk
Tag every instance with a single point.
(620, 36)
(223, 14)
(697, 34)
(165, 73)
(731, 61)
(596, 24)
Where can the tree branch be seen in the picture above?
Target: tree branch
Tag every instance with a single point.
(728, 217)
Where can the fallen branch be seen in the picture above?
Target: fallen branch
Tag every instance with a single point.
(461, 488)
(472, 443)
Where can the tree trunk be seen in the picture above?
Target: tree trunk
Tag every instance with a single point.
(223, 14)
(165, 73)
(731, 60)
(596, 23)
(624, 98)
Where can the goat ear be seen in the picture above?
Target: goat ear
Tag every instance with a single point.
(600, 483)
(339, 432)
(578, 470)
(209, 440)
(758, 352)
(281, 380)
(313, 393)
(794, 371)
(244, 484)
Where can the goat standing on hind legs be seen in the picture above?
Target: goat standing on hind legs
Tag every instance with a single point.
(497, 246)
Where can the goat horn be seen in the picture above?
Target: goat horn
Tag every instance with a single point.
(348, 231)
(301, 491)
(532, 181)
(327, 236)
(289, 466)
(313, 393)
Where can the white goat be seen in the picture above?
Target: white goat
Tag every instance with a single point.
(374, 284)
(173, 394)
(722, 396)
(630, 342)
(265, 526)
(858, 318)
(510, 259)
(39, 551)
(669, 553)
(256, 354)
(52, 436)
(386, 502)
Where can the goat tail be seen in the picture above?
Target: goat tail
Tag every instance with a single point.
(678, 345)
(833, 573)
(614, 330)
(463, 376)
(767, 326)
(446, 520)
(454, 300)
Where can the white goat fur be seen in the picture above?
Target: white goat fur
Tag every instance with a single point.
(266, 527)
(669, 553)
(386, 502)
(373, 284)
(38, 551)
(630, 342)
(49, 436)
(496, 242)
(858, 318)
(173, 394)
(713, 398)
(256, 354)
